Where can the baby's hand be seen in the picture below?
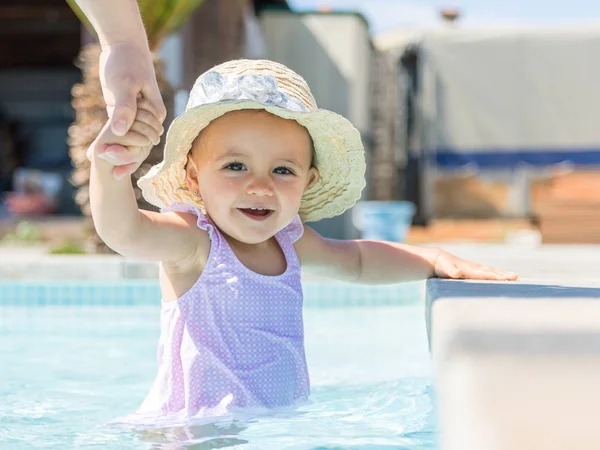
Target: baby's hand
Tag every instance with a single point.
(128, 152)
(450, 266)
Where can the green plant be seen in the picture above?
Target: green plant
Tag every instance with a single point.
(67, 248)
(25, 233)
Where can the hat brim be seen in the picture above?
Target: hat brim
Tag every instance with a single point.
(338, 147)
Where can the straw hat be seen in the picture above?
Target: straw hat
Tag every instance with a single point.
(262, 84)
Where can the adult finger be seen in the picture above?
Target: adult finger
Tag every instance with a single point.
(150, 106)
(149, 119)
(125, 108)
(145, 130)
(131, 139)
(151, 92)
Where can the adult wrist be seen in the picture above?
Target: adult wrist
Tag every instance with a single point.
(134, 39)
(115, 21)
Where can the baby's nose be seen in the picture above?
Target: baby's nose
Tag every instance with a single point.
(261, 187)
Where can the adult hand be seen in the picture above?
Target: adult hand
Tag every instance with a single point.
(127, 73)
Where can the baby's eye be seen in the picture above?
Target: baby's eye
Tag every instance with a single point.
(235, 166)
(283, 171)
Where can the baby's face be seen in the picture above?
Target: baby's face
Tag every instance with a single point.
(251, 170)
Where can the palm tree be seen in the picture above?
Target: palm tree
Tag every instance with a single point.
(160, 18)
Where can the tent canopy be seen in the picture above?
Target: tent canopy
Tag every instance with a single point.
(505, 97)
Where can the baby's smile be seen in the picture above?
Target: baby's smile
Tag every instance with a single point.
(256, 213)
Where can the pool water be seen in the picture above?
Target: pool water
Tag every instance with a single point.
(67, 370)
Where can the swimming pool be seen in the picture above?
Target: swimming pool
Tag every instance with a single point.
(76, 355)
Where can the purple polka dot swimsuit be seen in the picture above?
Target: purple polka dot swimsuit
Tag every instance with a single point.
(235, 339)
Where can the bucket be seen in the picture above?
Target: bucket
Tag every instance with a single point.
(383, 220)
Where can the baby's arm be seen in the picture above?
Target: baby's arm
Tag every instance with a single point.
(170, 237)
(376, 262)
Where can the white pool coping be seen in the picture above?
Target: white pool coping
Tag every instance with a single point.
(517, 365)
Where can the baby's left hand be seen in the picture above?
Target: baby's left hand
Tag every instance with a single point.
(449, 266)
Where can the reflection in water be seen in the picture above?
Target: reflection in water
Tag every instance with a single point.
(196, 437)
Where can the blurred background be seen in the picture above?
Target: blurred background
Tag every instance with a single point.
(479, 118)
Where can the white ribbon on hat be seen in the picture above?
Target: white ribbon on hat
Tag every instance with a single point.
(214, 87)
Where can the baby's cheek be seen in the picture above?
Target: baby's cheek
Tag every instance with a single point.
(293, 189)
(215, 187)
